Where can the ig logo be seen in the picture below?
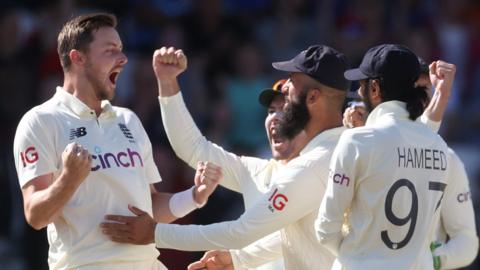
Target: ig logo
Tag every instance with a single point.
(29, 156)
(278, 201)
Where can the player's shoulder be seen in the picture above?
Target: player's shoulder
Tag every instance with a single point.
(361, 136)
(40, 114)
(315, 162)
(125, 113)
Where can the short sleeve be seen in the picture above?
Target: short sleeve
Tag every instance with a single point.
(33, 147)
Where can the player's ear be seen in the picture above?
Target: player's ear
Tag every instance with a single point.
(77, 57)
(313, 95)
(375, 89)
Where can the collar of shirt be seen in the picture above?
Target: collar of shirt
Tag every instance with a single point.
(80, 108)
(391, 109)
(324, 136)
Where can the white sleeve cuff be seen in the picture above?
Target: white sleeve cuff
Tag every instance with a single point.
(182, 203)
(237, 265)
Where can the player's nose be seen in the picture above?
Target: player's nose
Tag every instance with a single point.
(122, 59)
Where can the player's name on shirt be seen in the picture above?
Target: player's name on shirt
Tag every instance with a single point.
(421, 158)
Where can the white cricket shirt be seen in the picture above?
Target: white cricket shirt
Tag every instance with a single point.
(457, 220)
(291, 203)
(248, 175)
(122, 169)
(390, 176)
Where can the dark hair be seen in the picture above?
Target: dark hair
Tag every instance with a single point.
(414, 96)
(78, 34)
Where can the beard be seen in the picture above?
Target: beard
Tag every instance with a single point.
(295, 117)
(99, 88)
(366, 99)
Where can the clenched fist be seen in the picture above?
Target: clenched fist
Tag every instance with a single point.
(354, 116)
(76, 162)
(168, 63)
(207, 177)
(442, 75)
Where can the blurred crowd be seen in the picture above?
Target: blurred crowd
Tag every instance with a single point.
(230, 45)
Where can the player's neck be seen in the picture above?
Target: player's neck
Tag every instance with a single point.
(80, 88)
(321, 122)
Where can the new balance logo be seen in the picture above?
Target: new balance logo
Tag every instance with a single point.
(77, 132)
(126, 132)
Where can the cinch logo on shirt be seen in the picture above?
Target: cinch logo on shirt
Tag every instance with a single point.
(29, 156)
(340, 179)
(126, 159)
(463, 197)
(278, 201)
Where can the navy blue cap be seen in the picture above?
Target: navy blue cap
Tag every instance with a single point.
(322, 63)
(389, 61)
(267, 95)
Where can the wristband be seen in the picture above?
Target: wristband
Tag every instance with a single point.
(437, 263)
(182, 203)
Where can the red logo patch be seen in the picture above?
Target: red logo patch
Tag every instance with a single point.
(278, 201)
(29, 156)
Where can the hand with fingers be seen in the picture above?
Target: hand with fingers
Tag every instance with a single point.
(442, 75)
(207, 178)
(76, 162)
(354, 116)
(138, 229)
(213, 260)
(168, 63)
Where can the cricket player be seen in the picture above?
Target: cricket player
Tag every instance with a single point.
(389, 176)
(249, 175)
(265, 250)
(315, 94)
(79, 158)
(456, 242)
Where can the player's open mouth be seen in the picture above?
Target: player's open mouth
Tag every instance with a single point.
(277, 141)
(113, 77)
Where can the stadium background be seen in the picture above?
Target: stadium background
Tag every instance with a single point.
(230, 45)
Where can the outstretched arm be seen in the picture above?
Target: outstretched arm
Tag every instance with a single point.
(295, 194)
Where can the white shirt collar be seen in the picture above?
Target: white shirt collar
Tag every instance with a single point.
(392, 109)
(80, 108)
(325, 136)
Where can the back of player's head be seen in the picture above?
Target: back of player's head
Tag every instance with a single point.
(77, 34)
(397, 68)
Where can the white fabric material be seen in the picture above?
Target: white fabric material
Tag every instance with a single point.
(457, 220)
(248, 175)
(301, 182)
(265, 250)
(433, 125)
(182, 203)
(369, 163)
(122, 170)
(152, 264)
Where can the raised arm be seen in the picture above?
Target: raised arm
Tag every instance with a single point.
(185, 138)
(442, 75)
